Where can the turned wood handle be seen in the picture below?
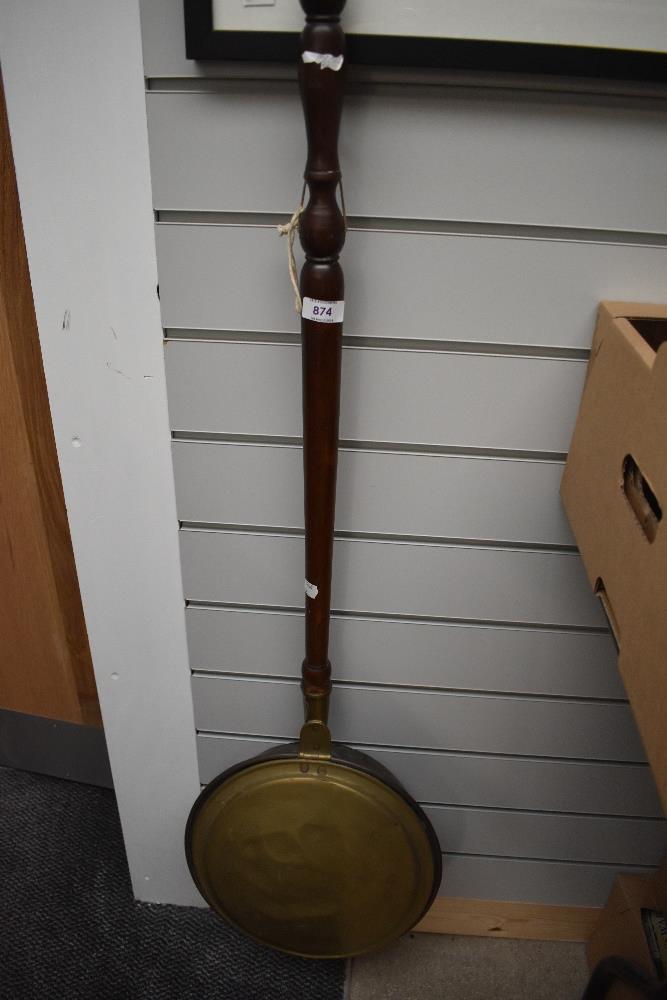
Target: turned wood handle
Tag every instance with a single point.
(322, 234)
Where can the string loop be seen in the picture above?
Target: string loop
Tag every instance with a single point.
(290, 229)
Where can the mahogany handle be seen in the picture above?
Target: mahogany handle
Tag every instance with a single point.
(322, 234)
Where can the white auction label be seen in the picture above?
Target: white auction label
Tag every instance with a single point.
(321, 311)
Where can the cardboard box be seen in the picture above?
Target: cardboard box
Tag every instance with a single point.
(614, 491)
(620, 930)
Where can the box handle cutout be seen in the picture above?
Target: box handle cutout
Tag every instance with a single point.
(601, 593)
(653, 331)
(642, 499)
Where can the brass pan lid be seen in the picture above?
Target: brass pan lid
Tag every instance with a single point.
(315, 858)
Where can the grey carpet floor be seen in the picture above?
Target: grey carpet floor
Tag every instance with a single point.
(435, 967)
(70, 929)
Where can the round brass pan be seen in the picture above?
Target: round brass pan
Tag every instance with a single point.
(324, 859)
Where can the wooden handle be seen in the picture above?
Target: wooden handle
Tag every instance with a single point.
(322, 234)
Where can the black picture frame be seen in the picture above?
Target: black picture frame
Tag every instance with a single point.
(203, 44)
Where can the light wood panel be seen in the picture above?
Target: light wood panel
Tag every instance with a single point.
(495, 781)
(433, 654)
(494, 918)
(379, 492)
(45, 664)
(450, 581)
(466, 400)
(424, 719)
(438, 286)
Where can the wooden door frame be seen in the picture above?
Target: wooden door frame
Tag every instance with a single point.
(45, 664)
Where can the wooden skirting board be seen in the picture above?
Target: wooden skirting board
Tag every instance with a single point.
(493, 918)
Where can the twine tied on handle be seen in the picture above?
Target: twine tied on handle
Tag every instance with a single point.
(290, 230)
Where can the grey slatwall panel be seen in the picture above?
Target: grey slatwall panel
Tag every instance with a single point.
(163, 38)
(449, 581)
(496, 782)
(420, 152)
(466, 400)
(378, 492)
(547, 836)
(407, 285)
(549, 882)
(424, 719)
(382, 651)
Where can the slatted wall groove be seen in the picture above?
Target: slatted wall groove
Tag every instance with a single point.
(470, 655)
(560, 283)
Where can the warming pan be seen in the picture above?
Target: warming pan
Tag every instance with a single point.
(314, 848)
